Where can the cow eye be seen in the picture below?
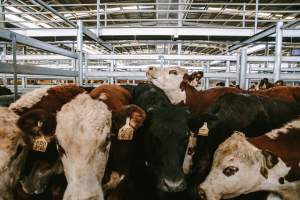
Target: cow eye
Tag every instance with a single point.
(174, 72)
(231, 170)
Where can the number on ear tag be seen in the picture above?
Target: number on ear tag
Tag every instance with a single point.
(126, 132)
(203, 131)
(40, 144)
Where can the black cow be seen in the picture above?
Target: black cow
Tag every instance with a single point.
(5, 91)
(252, 115)
(159, 147)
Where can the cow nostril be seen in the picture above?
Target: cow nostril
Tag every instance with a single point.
(201, 194)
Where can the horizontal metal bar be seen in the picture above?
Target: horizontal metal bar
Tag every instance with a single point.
(261, 35)
(220, 75)
(33, 70)
(93, 36)
(6, 34)
(159, 57)
(146, 3)
(38, 57)
(259, 76)
(116, 74)
(150, 31)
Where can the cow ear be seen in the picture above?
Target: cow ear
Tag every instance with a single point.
(184, 82)
(270, 159)
(136, 114)
(264, 172)
(36, 123)
(199, 123)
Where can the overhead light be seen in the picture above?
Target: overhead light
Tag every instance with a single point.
(290, 17)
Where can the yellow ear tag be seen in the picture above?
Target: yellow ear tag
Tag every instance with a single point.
(126, 131)
(40, 144)
(203, 131)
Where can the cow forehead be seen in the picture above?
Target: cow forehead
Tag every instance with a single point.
(167, 69)
(236, 147)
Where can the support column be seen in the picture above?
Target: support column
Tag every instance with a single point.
(244, 15)
(243, 68)
(3, 59)
(98, 17)
(80, 51)
(256, 16)
(2, 16)
(278, 48)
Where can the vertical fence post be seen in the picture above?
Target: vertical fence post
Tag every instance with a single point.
(80, 50)
(243, 68)
(3, 59)
(86, 68)
(14, 54)
(206, 85)
(278, 48)
(227, 70)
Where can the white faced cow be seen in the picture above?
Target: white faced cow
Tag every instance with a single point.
(269, 163)
(169, 80)
(83, 131)
(12, 153)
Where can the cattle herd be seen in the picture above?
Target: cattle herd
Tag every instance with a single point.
(160, 140)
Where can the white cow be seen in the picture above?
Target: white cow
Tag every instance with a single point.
(83, 129)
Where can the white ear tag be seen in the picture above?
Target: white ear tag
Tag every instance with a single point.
(40, 144)
(203, 131)
(40, 124)
(126, 132)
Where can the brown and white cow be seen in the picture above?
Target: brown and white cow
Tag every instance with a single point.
(124, 116)
(175, 84)
(84, 128)
(12, 153)
(270, 162)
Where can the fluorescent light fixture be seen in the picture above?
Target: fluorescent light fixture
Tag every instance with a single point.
(290, 17)
(24, 24)
(214, 8)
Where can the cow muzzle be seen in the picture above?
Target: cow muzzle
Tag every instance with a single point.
(169, 185)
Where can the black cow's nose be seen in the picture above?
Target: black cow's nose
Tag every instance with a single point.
(201, 194)
(175, 186)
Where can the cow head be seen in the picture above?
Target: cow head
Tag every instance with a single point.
(37, 125)
(168, 78)
(238, 168)
(38, 179)
(83, 132)
(165, 137)
(173, 81)
(12, 152)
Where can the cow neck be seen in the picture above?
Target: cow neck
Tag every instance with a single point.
(284, 145)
